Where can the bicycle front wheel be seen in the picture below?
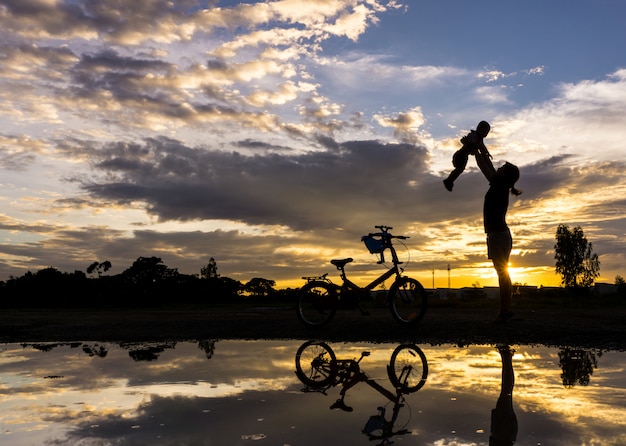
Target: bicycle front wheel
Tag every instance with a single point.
(317, 303)
(408, 368)
(407, 300)
(316, 364)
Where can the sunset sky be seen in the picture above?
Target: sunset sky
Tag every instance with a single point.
(272, 135)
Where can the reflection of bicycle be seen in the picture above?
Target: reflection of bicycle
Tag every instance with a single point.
(319, 369)
(319, 298)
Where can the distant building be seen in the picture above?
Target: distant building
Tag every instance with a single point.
(601, 289)
(493, 292)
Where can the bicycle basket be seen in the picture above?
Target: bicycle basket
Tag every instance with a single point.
(375, 246)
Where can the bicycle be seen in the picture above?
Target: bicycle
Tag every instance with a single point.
(318, 369)
(319, 298)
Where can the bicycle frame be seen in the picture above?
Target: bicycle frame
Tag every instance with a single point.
(393, 397)
(393, 270)
(349, 374)
(327, 371)
(319, 298)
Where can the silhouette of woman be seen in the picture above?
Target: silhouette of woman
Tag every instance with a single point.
(499, 240)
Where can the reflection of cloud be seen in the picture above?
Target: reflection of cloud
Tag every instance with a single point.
(249, 387)
(538, 389)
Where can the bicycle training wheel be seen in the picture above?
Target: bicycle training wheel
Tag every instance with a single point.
(408, 300)
(316, 303)
(316, 364)
(408, 368)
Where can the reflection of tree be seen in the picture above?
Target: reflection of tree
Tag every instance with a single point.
(95, 350)
(146, 352)
(577, 366)
(138, 351)
(208, 347)
(51, 346)
(91, 350)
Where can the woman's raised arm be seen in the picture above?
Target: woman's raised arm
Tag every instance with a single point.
(485, 165)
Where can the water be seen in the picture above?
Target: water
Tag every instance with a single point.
(247, 393)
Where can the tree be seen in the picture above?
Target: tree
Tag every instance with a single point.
(148, 270)
(259, 287)
(210, 270)
(621, 284)
(575, 260)
(99, 267)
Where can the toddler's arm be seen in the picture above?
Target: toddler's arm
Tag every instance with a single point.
(483, 149)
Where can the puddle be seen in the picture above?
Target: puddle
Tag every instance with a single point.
(248, 392)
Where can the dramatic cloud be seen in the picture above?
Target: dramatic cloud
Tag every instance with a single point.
(320, 189)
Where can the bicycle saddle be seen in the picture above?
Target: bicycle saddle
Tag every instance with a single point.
(339, 404)
(340, 263)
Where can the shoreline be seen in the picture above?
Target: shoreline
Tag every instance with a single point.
(590, 328)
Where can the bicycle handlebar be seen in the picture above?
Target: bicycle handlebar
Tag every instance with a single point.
(385, 233)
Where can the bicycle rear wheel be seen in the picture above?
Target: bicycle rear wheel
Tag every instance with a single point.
(316, 364)
(408, 368)
(317, 303)
(407, 300)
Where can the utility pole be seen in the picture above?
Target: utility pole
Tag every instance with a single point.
(433, 278)
(448, 277)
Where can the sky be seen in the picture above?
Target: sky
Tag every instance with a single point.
(272, 135)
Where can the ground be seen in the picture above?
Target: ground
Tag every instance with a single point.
(572, 326)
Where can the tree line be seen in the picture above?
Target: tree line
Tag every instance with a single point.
(147, 282)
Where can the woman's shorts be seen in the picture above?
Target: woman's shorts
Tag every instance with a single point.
(499, 245)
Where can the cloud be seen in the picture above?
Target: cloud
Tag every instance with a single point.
(268, 126)
(406, 125)
(317, 189)
(152, 90)
(584, 119)
(17, 152)
(187, 398)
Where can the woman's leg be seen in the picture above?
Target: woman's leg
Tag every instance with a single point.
(504, 281)
(499, 249)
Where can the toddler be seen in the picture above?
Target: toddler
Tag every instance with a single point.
(472, 143)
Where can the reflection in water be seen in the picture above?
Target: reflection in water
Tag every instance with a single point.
(503, 419)
(242, 392)
(319, 369)
(138, 351)
(577, 366)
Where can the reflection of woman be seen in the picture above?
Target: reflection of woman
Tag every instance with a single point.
(503, 419)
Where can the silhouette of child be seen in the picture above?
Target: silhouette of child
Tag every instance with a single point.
(472, 143)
